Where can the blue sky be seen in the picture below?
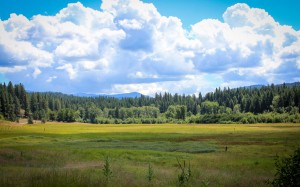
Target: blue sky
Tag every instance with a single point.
(118, 46)
(190, 12)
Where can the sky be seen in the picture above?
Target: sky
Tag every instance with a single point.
(148, 46)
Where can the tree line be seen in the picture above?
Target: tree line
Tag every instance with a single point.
(272, 103)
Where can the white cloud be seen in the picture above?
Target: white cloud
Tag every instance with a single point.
(50, 79)
(191, 84)
(130, 24)
(15, 51)
(76, 49)
(13, 69)
(130, 46)
(36, 72)
(69, 69)
(241, 15)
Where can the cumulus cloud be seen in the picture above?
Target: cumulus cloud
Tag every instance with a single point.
(192, 84)
(130, 46)
(69, 69)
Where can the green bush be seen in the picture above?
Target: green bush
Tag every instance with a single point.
(107, 172)
(30, 120)
(288, 171)
(185, 173)
(150, 173)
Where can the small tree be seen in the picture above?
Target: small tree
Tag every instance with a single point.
(30, 120)
(185, 174)
(43, 120)
(288, 170)
(106, 169)
(150, 173)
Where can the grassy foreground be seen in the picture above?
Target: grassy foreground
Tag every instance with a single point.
(60, 154)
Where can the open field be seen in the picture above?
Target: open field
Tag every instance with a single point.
(60, 154)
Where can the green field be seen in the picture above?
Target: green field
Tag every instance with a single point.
(61, 154)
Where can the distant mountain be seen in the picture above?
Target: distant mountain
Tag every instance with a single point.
(124, 95)
(85, 95)
(137, 94)
(118, 96)
(260, 85)
(291, 84)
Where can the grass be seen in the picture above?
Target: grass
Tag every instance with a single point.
(60, 154)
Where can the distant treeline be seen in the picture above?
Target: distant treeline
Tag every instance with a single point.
(267, 104)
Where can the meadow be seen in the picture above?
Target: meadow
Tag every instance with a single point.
(73, 154)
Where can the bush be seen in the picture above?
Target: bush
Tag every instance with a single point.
(150, 173)
(185, 173)
(44, 120)
(244, 120)
(288, 170)
(107, 172)
(30, 120)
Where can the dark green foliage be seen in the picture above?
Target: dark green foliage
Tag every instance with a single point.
(66, 115)
(268, 104)
(44, 120)
(288, 171)
(245, 118)
(92, 112)
(107, 172)
(150, 173)
(185, 173)
(30, 120)
(176, 112)
(13, 99)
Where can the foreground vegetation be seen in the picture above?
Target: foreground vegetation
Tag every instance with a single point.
(61, 154)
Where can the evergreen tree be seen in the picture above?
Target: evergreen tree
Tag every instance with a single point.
(285, 99)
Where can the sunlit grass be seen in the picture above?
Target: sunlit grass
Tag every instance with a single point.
(60, 153)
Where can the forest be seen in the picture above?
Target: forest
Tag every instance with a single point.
(264, 104)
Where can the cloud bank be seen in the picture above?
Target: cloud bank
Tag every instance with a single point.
(129, 46)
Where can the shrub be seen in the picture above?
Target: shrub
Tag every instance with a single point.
(288, 170)
(30, 120)
(107, 170)
(244, 120)
(185, 174)
(150, 173)
(44, 120)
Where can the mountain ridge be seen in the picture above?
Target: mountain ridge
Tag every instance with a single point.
(137, 94)
(118, 96)
(258, 86)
